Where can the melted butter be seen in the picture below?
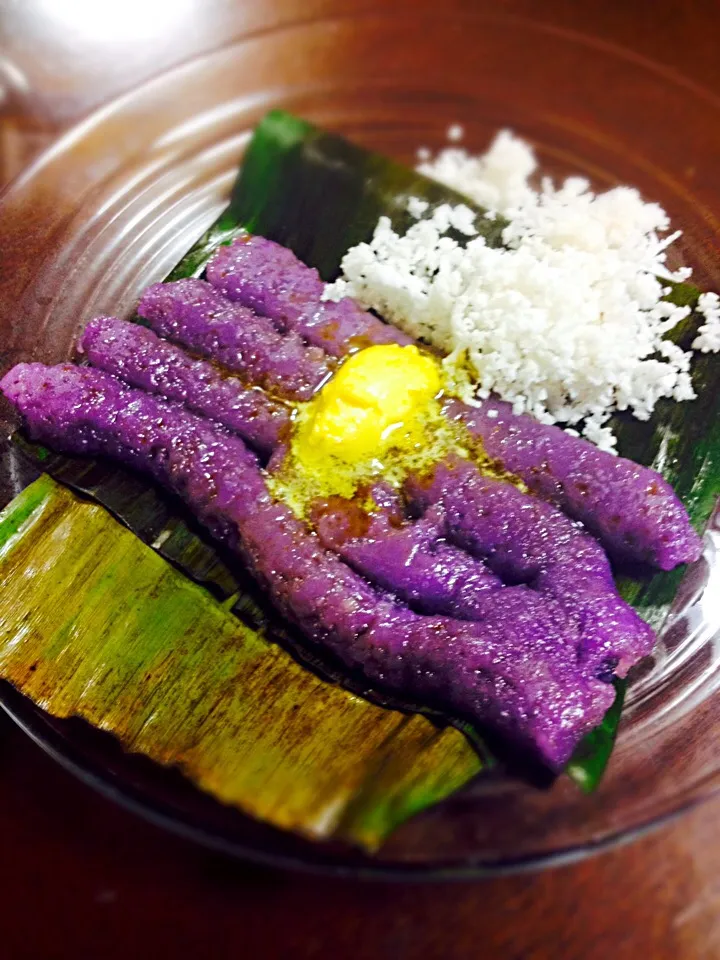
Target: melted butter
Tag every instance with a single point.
(378, 418)
(370, 406)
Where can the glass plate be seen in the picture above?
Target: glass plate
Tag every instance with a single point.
(118, 200)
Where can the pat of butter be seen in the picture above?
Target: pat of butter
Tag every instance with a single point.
(370, 403)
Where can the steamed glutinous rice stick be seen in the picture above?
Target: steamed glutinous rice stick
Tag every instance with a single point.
(630, 508)
(196, 315)
(271, 280)
(140, 358)
(627, 506)
(410, 559)
(516, 671)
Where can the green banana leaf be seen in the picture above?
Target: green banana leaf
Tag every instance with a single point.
(95, 624)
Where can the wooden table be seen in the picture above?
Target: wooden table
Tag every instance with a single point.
(83, 878)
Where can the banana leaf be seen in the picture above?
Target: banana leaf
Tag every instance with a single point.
(318, 194)
(125, 641)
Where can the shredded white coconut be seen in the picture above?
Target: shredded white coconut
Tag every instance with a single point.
(566, 320)
(455, 132)
(417, 207)
(496, 180)
(708, 338)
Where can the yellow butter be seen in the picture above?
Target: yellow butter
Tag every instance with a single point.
(370, 404)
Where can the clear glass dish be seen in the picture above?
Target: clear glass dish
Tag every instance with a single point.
(118, 200)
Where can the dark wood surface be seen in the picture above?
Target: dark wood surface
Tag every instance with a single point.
(82, 878)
